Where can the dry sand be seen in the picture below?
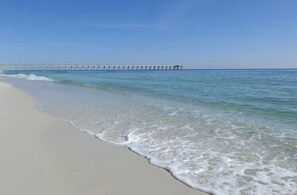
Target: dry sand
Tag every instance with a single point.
(42, 155)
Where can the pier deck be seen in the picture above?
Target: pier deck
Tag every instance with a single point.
(84, 67)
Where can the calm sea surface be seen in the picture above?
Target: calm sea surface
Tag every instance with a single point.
(221, 131)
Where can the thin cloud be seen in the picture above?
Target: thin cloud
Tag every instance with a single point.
(172, 14)
(67, 44)
(123, 26)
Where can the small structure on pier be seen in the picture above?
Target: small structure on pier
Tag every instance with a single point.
(177, 67)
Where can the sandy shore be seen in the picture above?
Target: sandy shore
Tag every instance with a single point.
(43, 155)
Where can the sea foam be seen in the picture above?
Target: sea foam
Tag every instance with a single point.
(30, 77)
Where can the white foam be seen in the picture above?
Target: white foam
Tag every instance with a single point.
(205, 168)
(31, 77)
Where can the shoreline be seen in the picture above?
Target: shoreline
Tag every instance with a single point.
(42, 154)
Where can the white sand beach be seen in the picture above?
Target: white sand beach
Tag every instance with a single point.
(41, 154)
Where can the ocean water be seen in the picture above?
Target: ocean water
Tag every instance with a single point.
(220, 131)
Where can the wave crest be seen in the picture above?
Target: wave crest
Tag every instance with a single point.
(31, 77)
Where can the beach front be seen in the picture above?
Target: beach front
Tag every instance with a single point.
(170, 97)
(41, 154)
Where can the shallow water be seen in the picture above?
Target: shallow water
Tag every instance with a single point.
(221, 131)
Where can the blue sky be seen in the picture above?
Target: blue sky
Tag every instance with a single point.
(195, 33)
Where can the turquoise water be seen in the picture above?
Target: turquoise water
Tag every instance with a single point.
(221, 131)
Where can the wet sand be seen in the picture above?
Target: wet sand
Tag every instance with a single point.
(41, 154)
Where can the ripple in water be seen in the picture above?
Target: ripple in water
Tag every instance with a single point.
(214, 150)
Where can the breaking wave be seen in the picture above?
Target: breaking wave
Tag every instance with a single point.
(31, 77)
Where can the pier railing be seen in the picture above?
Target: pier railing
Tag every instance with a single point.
(84, 67)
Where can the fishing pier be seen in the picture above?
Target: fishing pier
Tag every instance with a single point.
(85, 67)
